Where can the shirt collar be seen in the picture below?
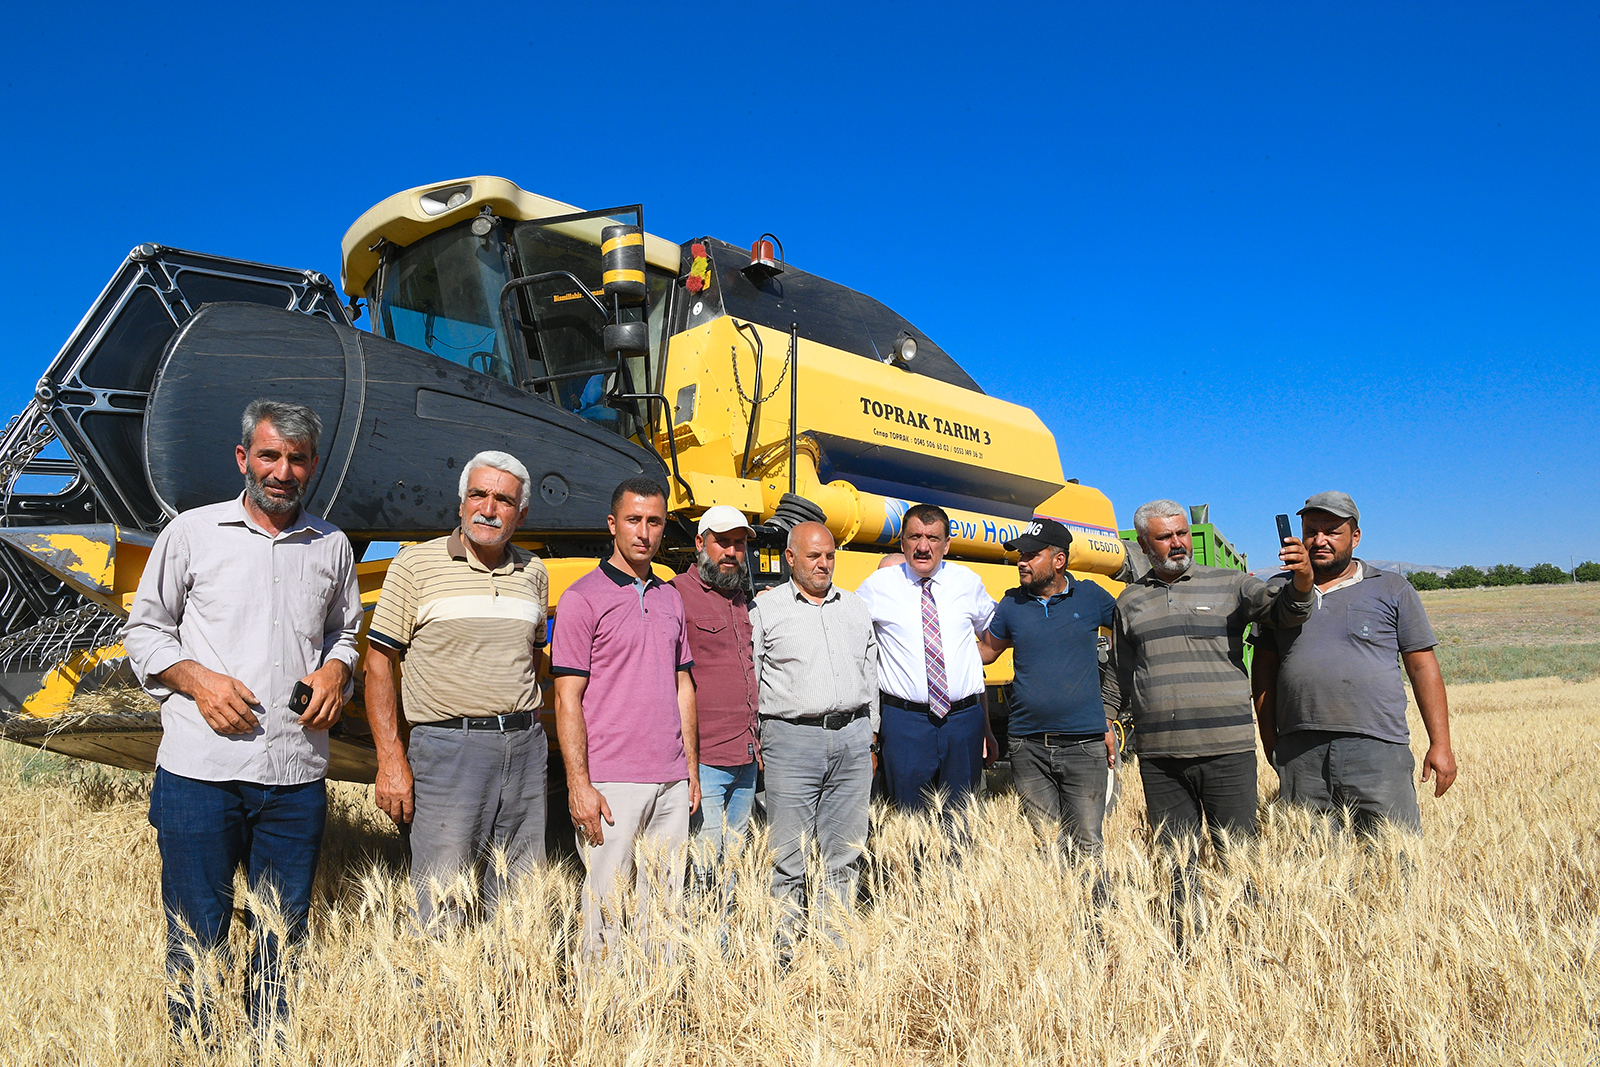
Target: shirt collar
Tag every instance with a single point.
(626, 578)
(915, 579)
(1362, 571)
(239, 514)
(832, 594)
(456, 545)
(1053, 597)
(1151, 579)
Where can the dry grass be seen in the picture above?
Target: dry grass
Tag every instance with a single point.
(1482, 947)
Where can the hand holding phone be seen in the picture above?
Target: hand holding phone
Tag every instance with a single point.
(300, 698)
(1285, 531)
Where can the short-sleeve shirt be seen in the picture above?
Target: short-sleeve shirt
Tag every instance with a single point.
(1056, 654)
(469, 635)
(630, 638)
(1340, 671)
(894, 596)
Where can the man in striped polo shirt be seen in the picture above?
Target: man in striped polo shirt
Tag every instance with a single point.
(1179, 649)
(466, 612)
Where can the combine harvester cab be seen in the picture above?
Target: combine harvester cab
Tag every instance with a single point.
(499, 319)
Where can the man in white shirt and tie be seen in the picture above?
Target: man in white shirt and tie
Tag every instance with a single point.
(934, 734)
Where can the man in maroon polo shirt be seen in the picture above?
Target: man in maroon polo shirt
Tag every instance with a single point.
(716, 598)
(625, 715)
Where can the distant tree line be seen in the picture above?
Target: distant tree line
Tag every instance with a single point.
(1470, 577)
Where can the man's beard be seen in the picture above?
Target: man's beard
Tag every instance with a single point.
(717, 578)
(1037, 586)
(1171, 567)
(1323, 571)
(272, 505)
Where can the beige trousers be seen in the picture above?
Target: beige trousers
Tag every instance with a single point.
(647, 846)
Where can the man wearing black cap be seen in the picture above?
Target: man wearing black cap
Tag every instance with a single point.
(1329, 698)
(1061, 743)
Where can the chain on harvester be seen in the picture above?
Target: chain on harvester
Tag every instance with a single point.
(739, 385)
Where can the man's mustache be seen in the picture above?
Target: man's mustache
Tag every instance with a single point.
(487, 520)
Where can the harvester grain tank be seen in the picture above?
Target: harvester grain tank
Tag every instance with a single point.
(497, 319)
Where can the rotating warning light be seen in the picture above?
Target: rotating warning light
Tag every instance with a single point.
(764, 263)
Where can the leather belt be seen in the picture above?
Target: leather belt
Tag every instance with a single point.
(834, 720)
(910, 705)
(1062, 740)
(517, 720)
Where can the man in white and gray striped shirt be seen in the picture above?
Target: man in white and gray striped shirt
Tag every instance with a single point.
(816, 661)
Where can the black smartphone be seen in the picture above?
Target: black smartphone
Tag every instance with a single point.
(300, 699)
(1285, 531)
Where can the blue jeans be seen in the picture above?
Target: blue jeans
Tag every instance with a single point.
(726, 796)
(204, 830)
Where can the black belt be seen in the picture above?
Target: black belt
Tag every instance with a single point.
(955, 705)
(517, 720)
(1062, 740)
(834, 720)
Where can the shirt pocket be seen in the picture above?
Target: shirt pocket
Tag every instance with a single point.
(1207, 619)
(1371, 627)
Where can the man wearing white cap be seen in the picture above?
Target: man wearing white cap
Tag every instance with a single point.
(716, 600)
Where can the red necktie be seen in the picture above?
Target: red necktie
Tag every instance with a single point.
(933, 650)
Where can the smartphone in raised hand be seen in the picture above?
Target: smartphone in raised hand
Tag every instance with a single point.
(1285, 531)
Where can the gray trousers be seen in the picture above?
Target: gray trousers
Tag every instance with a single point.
(1064, 785)
(646, 843)
(1329, 772)
(819, 783)
(475, 791)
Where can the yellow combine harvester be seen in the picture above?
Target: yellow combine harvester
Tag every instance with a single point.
(498, 319)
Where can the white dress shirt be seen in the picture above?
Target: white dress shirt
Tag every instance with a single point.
(894, 596)
(265, 609)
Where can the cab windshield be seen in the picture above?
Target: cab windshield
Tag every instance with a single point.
(441, 295)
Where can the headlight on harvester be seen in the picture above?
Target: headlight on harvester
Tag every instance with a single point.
(905, 349)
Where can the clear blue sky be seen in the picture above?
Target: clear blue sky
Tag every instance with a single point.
(1231, 258)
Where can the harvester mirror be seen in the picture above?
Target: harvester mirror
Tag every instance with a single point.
(622, 264)
(629, 338)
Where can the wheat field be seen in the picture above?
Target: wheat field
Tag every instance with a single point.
(1480, 943)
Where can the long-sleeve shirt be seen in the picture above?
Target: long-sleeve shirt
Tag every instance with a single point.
(725, 691)
(1179, 650)
(265, 609)
(894, 596)
(814, 659)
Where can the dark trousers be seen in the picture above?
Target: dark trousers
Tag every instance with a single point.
(1065, 785)
(1179, 792)
(922, 753)
(204, 831)
(1332, 773)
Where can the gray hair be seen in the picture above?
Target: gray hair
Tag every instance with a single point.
(500, 461)
(1156, 509)
(294, 422)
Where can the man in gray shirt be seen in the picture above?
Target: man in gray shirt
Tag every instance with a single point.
(816, 659)
(1329, 698)
(239, 602)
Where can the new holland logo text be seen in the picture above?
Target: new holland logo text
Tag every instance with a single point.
(922, 420)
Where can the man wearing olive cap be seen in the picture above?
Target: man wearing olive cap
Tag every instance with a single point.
(1329, 698)
(716, 598)
(1061, 741)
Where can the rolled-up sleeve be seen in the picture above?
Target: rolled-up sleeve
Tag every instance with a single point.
(151, 634)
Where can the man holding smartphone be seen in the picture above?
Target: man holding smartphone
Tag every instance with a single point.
(240, 603)
(1329, 696)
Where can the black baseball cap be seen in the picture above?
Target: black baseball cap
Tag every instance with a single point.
(1041, 533)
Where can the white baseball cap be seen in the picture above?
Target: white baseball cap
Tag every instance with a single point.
(722, 518)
